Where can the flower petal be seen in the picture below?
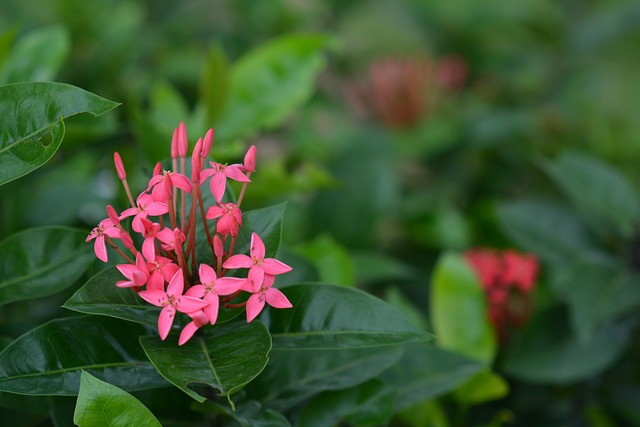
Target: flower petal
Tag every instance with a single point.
(187, 332)
(157, 298)
(207, 275)
(176, 285)
(238, 261)
(276, 299)
(211, 310)
(218, 184)
(255, 304)
(165, 321)
(197, 291)
(186, 304)
(273, 266)
(228, 285)
(257, 247)
(100, 249)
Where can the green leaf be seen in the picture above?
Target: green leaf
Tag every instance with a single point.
(548, 352)
(42, 261)
(294, 375)
(331, 259)
(547, 229)
(426, 371)
(604, 198)
(482, 387)
(251, 414)
(368, 404)
(102, 404)
(214, 84)
(326, 317)
(48, 359)
(226, 358)
(100, 295)
(38, 56)
(270, 83)
(458, 310)
(33, 112)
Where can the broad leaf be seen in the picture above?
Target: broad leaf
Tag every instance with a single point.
(269, 83)
(458, 310)
(370, 403)
(226, 358)
(548, 352)
(294, 375)
(326, 317)
(481, 388)
(100, 295)
(602, 195)
(426, 371)
(102, 404)
(331, 259)
(251, 414)
(37, 56)
(41, 261)
(33, 112)
(48, 359)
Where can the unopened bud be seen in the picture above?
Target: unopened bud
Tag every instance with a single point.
(218, 248)
(122, 175)
(207, 143)
(196, 165)
(249, 164)
(113, 216)
(174, 144)
(183, 144)
(157, 169)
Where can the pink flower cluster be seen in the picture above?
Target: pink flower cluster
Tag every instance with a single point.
(507, 278)
(164, 270)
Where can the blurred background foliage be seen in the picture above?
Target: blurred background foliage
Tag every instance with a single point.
(513, 124)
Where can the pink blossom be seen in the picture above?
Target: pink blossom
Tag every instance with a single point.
(117, 160)
(266, 293)
(149, 232)
(520, 270)
(171, 301)
(258, 265)
(229, 218)
(211, 287)
(145, 206)
(104, 228)
(171, 238)
(137, 275)
(219, 174)
(160, 271)
(158, 184)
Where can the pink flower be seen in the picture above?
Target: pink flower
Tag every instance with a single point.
(137, 274)
(149, 232)
(487, 265)
(199, 319)
(159, 182)
(258, 265)
(249, 164)
(211, 287)
(219, 174)
(229, 218)
(105, 228)
(520, 270)
(146, 206)
(266, 293)
(171, 301)
(171, 238)
(160, 271)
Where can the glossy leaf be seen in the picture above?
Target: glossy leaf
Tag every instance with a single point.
(42, 261)
(548, 352)
(269, 83)
(426, 371)
(602, 195)
(37, 56)
(33, 112)
(326, 317)
(102, 404)
(370, 403)
(331, 259)
(48, 360)
(458, 310)
(294, 375)
(226, 358)
(100, 295)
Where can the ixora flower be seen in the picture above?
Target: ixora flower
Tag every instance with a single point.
(161, 247)
(507, 278)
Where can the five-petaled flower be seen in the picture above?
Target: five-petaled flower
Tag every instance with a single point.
(105, 228)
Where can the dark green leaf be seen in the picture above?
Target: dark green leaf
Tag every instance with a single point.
(294, 375)
(602, 195)
(368, 404)
(100, 295)
(326, 317)
(458, 310)
(48, 359)
(37, 56)
(102, 404)
(548, 352)
(252, 414)
(42, 261)
(269, 83)
(32, 112)
(425, 372)
(226, 358)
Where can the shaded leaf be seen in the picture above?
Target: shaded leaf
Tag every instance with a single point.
(458, 310)
(48, 359)
(42, 261)
(251, 414)
(269, 83)
(331, 259)
(226, 358)
(102, 404)
(548, 352)
(482, 387)
(330, 317)
(31, 113)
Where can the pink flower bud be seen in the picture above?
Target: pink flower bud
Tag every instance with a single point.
(174, 144)
(207, 143)
(250, 159)
(157, 169)
(113, 216)
(127, 241)
(218, 248)
(122, 175)
(183, 144)
(196, 164)
(168, 187)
